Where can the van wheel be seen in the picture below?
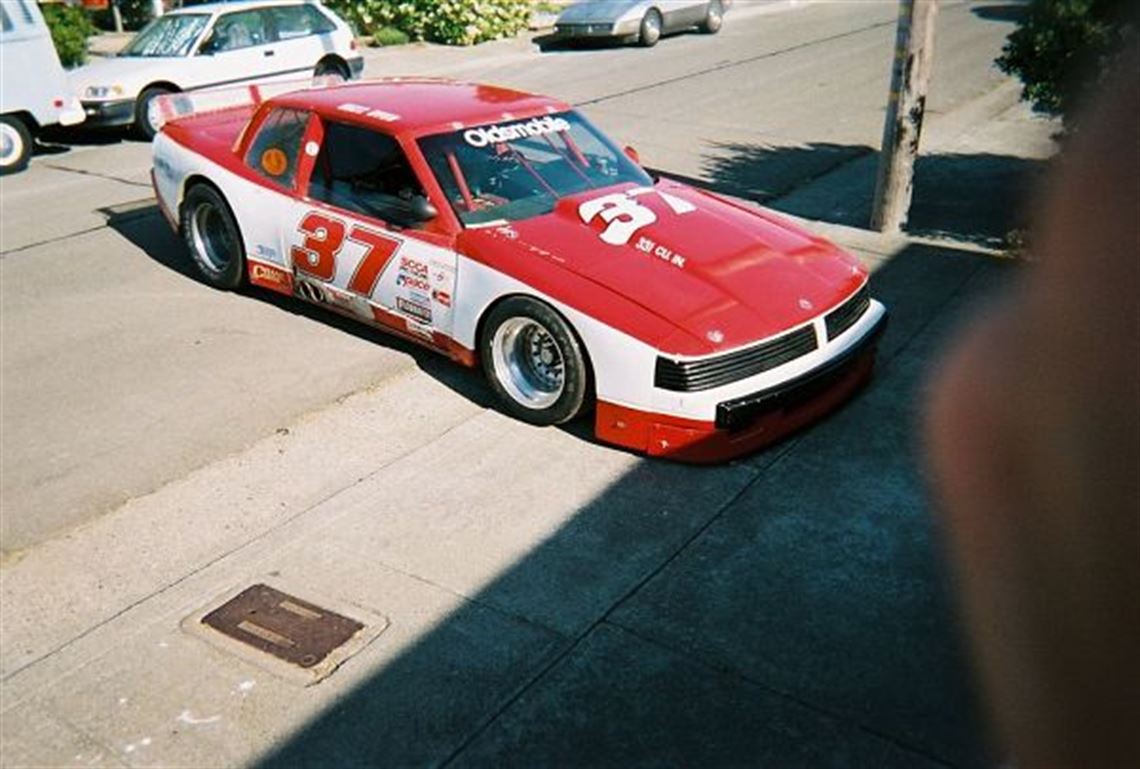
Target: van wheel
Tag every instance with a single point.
(146, 114)
(15, 144)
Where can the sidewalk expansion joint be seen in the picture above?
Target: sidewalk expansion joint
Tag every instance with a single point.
(231, 552)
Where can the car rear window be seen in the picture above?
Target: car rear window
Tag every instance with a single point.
(274, 151)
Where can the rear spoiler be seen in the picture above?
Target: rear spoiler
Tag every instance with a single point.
(175, 106)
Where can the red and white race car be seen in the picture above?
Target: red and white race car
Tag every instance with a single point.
(501, 228)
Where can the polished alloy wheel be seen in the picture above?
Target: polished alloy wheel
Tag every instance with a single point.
(528, 362)
(212, 238)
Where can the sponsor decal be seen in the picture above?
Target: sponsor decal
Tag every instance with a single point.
(806, 305)
(412, 267)
(510, 233)
(376, 114)
(497, 134)
(268, 252)
(270, 277)
(716, 336)
(164, 169)
(665, 254)
(417, 311)
(624, 216)
(412, 283)
(441, 297)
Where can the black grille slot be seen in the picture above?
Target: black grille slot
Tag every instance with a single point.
(704, 374)
(844, 316)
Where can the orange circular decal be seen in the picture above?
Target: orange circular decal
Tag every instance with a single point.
(274, 162)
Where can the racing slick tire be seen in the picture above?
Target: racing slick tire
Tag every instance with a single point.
(213, 237)
(650, 31)
(15, 144)
(714, 18)
(534, 362)
(146, 118)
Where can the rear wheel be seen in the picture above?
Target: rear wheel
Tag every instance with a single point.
(331, 68)
(213, 238)
(534, 362)
(714, 18)
(650, 31)
(146, 112)
(15, 144)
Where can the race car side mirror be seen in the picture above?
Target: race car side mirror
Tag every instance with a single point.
(631, 153)
(422, 209)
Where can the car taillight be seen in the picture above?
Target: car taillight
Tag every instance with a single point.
(57, 103)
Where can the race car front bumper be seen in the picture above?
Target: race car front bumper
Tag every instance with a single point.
(106, 113)
(749, 423)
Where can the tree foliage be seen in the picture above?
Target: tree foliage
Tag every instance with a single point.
(70, 27)
(455, 22)
(1063, 49)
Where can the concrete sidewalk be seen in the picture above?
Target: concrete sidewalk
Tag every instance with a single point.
(535, 599)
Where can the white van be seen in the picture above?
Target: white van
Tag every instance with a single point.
(34, 91)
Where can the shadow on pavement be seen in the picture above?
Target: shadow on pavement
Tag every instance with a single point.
(976, 198)
(147, 229)
(1007, 12)
(790, 610)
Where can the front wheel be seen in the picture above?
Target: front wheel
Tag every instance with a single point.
(213, 238)
(650, 31)
(147, 118)
(714, 18)
(534, 362)
(15, 144)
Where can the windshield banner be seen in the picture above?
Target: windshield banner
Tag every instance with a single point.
(496, 134)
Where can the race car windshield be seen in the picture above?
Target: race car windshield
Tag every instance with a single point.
(167, 36)
(518, 169)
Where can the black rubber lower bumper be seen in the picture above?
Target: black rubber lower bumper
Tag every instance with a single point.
(109, 113)
(740, 412)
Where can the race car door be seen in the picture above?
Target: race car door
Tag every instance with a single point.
(359, 242)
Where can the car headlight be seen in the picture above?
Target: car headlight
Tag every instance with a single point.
(103, 91)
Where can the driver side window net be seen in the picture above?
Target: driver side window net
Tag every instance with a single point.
(274, 152)
(365, 172)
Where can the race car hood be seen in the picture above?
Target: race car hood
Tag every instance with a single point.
(721, 275)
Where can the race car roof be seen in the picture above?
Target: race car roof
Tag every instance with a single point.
(420, 104)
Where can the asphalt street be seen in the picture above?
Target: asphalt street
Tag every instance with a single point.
(121, 373)
(546, 600)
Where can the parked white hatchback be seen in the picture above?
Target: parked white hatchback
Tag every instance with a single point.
(211, 46)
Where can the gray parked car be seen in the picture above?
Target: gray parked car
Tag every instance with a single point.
(643, 21)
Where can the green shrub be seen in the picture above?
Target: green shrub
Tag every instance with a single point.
(70, 27)
(455, 22)
(389, 36)
(1064, 49)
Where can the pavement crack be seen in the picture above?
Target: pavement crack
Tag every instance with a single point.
(98, 175)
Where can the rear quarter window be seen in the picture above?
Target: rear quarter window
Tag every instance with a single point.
(293, 21)
(276, 148)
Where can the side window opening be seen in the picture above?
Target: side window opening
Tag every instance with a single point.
(366, 172)
(234, 31)
(277, 146)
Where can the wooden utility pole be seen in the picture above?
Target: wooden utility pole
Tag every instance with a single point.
(914, 56)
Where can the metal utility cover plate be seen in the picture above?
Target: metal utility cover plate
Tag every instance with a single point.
(287, 627)
(296, 639)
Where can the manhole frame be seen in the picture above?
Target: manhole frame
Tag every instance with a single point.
(374, 624)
